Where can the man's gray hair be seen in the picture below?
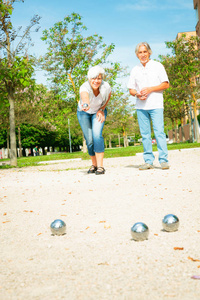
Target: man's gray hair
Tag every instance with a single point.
(143, 44)
(95, 72)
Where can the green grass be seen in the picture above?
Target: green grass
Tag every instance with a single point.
(114, 152)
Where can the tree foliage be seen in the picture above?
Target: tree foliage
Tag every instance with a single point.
(15, 65)
(69, 55)
(183, 68)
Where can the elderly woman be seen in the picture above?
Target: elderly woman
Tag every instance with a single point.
(91, 112)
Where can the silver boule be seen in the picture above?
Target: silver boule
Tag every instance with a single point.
(85, 105)
(170, 223)
(58, 227)
(140, 231)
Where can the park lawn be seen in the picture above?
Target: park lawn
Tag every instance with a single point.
(109, 153)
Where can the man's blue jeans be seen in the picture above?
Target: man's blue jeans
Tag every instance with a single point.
(92, 131)
(144, 120)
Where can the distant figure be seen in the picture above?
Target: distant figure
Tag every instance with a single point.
(36, 151)
(91, 113)
(147, 82)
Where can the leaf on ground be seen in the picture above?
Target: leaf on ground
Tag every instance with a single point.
(178, 248)
(5, 222)
(102, 221)
(39, 233)
(193, 259)
(87, 228)
(196, 277)
(5, 214)
(107, 226)
(103, 264)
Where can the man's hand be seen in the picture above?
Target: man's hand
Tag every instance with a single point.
(145, 91)
(141, 97)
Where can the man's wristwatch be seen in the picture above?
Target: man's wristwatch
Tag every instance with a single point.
(101, 109)
(136, 94)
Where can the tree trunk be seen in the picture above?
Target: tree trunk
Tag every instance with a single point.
(19, 141)
(191, 125)
(125, 140)
(196, 123)
(182, 131)
(173, 132)
(119, 140)
(110, 143)
(177, 132)
(105, 141)
(8, 144)
(13, 150)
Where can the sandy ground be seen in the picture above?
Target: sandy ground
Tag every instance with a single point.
(97, 258)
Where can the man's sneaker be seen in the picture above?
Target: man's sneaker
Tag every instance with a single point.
(146, 166)
(164, 166)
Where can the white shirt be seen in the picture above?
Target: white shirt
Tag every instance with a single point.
(152, 74)
(95, 102)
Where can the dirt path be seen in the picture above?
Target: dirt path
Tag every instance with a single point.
(97, 259)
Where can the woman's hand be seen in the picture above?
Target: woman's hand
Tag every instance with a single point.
(100, 116)
(85, 106)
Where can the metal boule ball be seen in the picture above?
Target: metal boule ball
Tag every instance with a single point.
(140, 231)
(58, 227)
(170, 223)
(85, 105)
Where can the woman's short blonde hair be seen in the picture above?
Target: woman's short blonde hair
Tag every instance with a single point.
(95, 72)
(143, 44)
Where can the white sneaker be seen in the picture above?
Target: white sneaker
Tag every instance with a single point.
(146, 166)
(164, 166)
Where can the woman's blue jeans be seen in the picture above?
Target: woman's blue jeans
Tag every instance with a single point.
(144, 120)
(92, 131)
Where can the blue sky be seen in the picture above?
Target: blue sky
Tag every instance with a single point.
(122, 22)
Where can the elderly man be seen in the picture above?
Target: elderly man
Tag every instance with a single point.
(147, 82)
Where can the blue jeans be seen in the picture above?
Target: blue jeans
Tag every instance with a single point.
(92, 131)
(144, 120)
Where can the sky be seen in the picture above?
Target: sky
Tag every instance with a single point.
(122, 22)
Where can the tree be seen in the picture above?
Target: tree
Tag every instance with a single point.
(15, 65)
(70, 54)
(183, 67)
